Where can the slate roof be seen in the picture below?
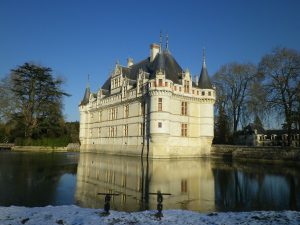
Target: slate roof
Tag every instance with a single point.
(86, 97)
(204, 81)
(163, 61)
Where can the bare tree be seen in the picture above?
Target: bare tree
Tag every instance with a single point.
(233, 82)
(7, 105)
(281, 71)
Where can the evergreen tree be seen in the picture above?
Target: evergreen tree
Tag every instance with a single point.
(38, 100)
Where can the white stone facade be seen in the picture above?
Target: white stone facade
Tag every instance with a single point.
(153, 115)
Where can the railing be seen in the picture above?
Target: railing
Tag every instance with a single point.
(159, 202)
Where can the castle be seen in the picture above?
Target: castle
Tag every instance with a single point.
(152, 108)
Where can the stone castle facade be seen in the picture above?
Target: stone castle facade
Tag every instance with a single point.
(152, 108)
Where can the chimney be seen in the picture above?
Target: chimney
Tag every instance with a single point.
(154, 49)
(196, 79)
(129, 62)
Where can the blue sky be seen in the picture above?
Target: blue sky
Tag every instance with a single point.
(77, 38)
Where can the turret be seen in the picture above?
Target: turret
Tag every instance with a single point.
(86, 96)
(204, 81)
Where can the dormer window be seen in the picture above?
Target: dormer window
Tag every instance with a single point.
(186, 86)
(160, 82)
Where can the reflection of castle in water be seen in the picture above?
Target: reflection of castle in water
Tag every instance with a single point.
(190, 182)
(200, 185)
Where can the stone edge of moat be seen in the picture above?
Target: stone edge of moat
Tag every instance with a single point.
(43, 149)
(254, 153)
(75, 215)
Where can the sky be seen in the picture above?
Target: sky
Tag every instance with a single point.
(76, 38)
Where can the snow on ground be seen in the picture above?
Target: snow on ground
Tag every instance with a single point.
(74, 215)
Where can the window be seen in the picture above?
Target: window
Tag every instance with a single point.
(160, 82)
(184, 186)
(113, 113)
(179, 88)
(197, 92)
(186, 86)
(126, 130)
(159, 124)
(203, 93)
(112, 131)
(184, 130)
(159, 104)
(193, 91)
(175, 88)
(184, 108)
(166, 84)
(209, 93)
(124, 91)
(126, 111)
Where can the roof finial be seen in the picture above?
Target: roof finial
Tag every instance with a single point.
(204, 57)
(160, 41)
(167, 41)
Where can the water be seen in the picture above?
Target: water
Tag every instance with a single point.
(37, 179)
(199, 184)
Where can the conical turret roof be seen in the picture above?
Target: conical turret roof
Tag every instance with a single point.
(86, 97)
(204, 81)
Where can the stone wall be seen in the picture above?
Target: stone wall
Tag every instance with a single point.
(256, 153)
(44, 149)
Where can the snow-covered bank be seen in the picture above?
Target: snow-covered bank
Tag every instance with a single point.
(74, 215)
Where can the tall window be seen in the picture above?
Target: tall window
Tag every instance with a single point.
(126, 130)
(126, 111)
(113, 113)
(124, 91)
(184, 130)
(186, 86)
(112, 131)
(183, 186)
(159, 108)
(184, 108)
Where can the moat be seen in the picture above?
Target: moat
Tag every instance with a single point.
(205, 185)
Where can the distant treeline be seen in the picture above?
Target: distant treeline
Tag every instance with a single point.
(31, 108)
(254, 93)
